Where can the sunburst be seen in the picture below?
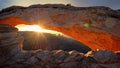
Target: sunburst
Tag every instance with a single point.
(35, 28)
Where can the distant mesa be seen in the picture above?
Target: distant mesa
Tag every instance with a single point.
(47, 41)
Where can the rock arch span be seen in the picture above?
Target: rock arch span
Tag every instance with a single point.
(95, 39)
(102, 30)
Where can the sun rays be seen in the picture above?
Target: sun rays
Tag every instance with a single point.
(35, 28)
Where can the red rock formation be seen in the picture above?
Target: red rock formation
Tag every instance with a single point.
(94, 39)
(13, 56)
(102, 31)
(13, 21)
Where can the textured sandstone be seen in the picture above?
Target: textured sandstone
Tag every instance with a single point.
(102, 33)
(103, 56)
(12, 56)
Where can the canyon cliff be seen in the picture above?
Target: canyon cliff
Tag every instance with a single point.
(97, 27)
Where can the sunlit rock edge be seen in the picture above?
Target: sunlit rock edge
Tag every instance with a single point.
(97, 27)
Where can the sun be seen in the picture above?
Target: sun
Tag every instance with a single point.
(35, 28)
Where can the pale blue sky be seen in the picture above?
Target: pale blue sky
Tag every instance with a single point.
(115, 4)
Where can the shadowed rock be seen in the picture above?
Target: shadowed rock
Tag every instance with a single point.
(47, 41)
(12, 56)
(103, 56)
(4, 28)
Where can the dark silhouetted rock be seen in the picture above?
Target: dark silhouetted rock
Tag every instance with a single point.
(7, 28)
(47, 41)
(12, 56)
(103, 56)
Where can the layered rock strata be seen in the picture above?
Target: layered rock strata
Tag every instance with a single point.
(12, 55)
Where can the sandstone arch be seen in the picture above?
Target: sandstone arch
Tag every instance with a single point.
(95, 39)
(13, 56)
(103, 33)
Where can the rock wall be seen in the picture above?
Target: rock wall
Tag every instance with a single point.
(12, 55)
(97, 27)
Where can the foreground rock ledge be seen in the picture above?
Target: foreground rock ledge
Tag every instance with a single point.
(96, 27)
(12, 55)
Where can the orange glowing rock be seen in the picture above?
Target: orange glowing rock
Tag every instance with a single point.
(103, 32)
(13, 21)
(93, 39)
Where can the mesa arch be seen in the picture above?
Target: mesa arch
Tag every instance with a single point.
(92, 38)
(103, 32)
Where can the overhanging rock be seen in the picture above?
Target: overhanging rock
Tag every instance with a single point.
(97, 27)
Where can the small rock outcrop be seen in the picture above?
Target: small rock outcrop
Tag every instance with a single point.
(103, 56)
(13, 56)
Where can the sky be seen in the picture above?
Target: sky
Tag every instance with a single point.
(114, 4)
